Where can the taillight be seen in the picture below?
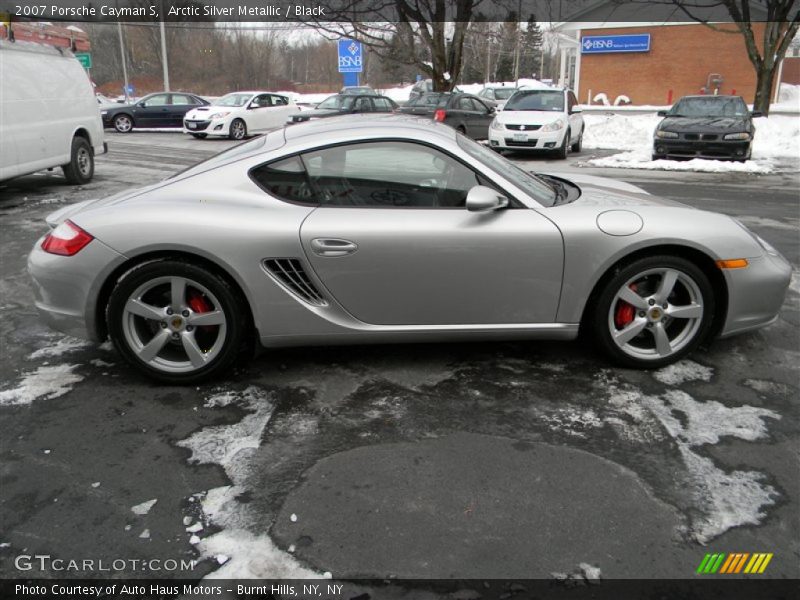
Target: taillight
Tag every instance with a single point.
(67, 239)
(439, 115)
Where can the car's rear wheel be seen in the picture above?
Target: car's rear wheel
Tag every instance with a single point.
(238, 130)
(176, 322)
(653, 312)
(80, 168)
(123, 123)
(200, 136)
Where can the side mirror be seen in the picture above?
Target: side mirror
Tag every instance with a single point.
(575, 110)
(142, 104)
(492, 110)
(756, 113)
(662, 113)
(484, 199)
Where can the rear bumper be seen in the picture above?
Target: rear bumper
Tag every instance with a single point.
(756, 294)
(719, 149)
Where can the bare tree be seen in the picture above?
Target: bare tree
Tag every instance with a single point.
(780, 27)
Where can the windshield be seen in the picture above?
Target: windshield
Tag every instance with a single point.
(503, 93)
(426, 100)
(549, 100)
(338, 102)
(233, 100)
(528, 182)
(711, 106)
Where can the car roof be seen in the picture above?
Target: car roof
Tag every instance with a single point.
(390, 124)
(707, 96)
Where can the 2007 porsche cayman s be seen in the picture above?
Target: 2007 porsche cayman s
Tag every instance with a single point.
(393, 229)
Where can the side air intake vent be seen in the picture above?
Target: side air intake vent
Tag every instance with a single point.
(290, 272)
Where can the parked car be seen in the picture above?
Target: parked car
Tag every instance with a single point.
(718, 127)
(358, 90)
(424, 86)
(393, 229)
(48, 113)
(162, 109)
(345, 104)
(239, 114)
(463, 112)
(548, 120)
(498, 94)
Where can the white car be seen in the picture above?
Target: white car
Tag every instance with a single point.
(537, 119)
(239, 114)
(497, 94)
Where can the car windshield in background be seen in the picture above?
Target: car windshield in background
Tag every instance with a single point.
(532, 185)
(232, 100)
(503, 93)
(426, 100)
(711, 106)
(337, 103)
(549, 100)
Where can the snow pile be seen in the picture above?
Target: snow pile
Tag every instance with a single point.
(776, 137)
(45, 382)
(144, 507)
(246, 554)
(683, 371)
(62, 346)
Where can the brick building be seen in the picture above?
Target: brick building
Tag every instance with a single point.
(677, 59)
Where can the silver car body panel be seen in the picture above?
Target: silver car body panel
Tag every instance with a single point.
(417, 274)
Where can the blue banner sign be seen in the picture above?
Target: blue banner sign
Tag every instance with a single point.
(598, 44)
(350, 56)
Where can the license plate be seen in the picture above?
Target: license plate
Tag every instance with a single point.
(520, 137)
(191, 125)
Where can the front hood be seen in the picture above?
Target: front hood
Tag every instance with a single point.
(705, 124)
(202, 113)
(599, 191)
(317, 113)
(528, 117)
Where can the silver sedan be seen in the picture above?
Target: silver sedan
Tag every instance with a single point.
(392, 229)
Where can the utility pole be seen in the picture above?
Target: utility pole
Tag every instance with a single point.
(124, 62)
(519, 39)
(164, 65)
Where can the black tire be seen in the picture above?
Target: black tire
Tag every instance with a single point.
(578, 146)
(563, 151)
(461, 129)
(80, 168)
(688, 332)
(200, 136)
(123, 123)
(233, 333)
(658, 157)
(238, 130)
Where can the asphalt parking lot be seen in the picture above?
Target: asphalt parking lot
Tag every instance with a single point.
(521, 460)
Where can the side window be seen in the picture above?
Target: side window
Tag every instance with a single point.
(362, 104)
(157, 100)
(388, 175)
(181, 100)
(262, 100)
(285, 179)
(279, 100)
(382, 105)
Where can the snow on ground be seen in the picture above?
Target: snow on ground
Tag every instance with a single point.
(776, 137)
(46, 382)
(788, 97)
(62, 346)
(724, 498)
(240, 552)
(144, 507)
(683, 371)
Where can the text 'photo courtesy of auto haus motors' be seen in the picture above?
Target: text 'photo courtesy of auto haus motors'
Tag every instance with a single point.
(390, 328)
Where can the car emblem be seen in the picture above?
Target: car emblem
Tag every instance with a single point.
(522, 127)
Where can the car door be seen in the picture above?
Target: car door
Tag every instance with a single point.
(152, 111)
(383, 105)
(394, 244)
(257, 113)
(483, 115)
(180, 104)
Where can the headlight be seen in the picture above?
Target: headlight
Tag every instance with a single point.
(660, 133)
(737, 136)
(554, 126)
(496, 125)
(219, 115)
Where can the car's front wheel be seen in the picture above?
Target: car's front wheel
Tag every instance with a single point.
(578, 145)
(176, 322)
(653, 312)
(238, 130)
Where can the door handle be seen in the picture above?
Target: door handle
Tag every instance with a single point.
(332, 247)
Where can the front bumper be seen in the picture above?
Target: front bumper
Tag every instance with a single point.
(702, 148)
(756, 293)
(207, 126)
(507, 139)
(65, 288)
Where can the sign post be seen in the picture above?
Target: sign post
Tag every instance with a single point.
(350, 61)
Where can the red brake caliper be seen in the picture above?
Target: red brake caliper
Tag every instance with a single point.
(625, 312)
(199, 304)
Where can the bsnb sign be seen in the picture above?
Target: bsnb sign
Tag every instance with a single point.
(596, 44)
(350, 56)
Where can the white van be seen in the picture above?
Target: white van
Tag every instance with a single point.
(49, 116)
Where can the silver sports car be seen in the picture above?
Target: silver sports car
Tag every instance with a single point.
(392, 229)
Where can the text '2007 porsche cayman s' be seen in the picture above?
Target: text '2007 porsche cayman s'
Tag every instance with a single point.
(393, 229)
